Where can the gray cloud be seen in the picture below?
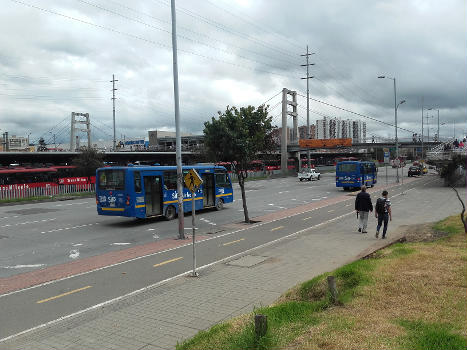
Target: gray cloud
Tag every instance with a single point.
(231, 53)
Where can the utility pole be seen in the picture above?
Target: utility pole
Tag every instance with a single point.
(307, 101)
(438, 127)
(422, 130)
(428, 127)
(178, 139)
(113, 103)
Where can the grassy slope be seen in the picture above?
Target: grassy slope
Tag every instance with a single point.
(409, 296)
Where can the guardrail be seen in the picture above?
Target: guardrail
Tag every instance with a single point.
(23, 191)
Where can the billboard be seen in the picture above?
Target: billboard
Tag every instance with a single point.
(324, 143)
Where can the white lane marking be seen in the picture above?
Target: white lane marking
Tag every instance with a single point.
(28, 222)
(316, 199)
(9, 217)
(271, 204)
(141, 290)
(174, 248)
(293, 199)
(282, 207)
(69, 228)
(58, 205)
(77, 245)
(22, 266)
(74, 254)
(151, 229)
(120, 243)
(155, 236)
(324, 197)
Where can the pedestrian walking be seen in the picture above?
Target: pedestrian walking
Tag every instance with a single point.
(363, 205)
(383, 213)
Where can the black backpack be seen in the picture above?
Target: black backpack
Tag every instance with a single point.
(380, 203)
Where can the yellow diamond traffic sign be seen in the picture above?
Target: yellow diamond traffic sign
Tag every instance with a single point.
(193, 180)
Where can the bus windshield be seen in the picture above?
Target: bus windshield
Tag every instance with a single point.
(348, 167)
(111, 179)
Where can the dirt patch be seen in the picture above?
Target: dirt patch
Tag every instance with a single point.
(423, 233)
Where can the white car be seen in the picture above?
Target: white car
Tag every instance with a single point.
(309, 174)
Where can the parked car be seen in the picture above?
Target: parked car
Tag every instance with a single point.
(414, 170)
(309, 174)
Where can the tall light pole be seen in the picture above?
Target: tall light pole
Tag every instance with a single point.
(396, 105)
(430, 109)
(178, 139)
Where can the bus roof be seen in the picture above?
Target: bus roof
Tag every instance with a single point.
(162, 167)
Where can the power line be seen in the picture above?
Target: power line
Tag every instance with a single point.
(352, 112)
(220, 26)
(244, 15)
(180, 27)
(143, 39)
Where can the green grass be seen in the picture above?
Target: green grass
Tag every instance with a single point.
(400, 249)
(288, 319)
(431, 336)
(451, 225)
(307, 304)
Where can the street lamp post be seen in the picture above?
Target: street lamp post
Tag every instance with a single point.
(430, 109)
(396, 105)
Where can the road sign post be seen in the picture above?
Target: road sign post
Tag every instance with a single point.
(192, 182)
(386, 161)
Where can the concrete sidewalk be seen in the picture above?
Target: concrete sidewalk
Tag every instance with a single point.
(161, 316)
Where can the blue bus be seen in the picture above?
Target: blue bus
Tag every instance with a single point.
(149, 191)
(354, 174)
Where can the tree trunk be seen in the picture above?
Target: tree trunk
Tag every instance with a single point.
(241, 182)
(463, 209)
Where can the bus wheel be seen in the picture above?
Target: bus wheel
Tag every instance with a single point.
(219, 204)
(170, 212)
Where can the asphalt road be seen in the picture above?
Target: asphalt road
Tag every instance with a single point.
(35, 236)
(42, 238)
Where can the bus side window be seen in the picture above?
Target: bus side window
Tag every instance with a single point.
(170, 180)
(222, 180)
(137, 176)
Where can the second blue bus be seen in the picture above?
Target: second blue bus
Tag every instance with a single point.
(149, 191)
(354, 174)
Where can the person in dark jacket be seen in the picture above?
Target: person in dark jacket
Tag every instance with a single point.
(363, 205)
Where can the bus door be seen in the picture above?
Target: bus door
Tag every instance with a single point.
(153, 195)
(209, 193)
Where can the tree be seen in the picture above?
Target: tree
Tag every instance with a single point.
(42, 145)
(88, 161)
(237, 136)
(452, 174)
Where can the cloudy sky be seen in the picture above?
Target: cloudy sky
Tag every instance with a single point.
(58, 56)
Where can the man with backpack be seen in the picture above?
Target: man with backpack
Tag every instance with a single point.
(363, 205)
(383, 213)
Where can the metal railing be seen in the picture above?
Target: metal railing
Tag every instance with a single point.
(13, 192)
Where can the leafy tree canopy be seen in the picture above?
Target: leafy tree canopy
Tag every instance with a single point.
(88, 161)
(238, 135)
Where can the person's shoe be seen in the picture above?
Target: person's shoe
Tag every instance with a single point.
(384, 237)
(377, 234)
(359, 229)
(364, 232)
